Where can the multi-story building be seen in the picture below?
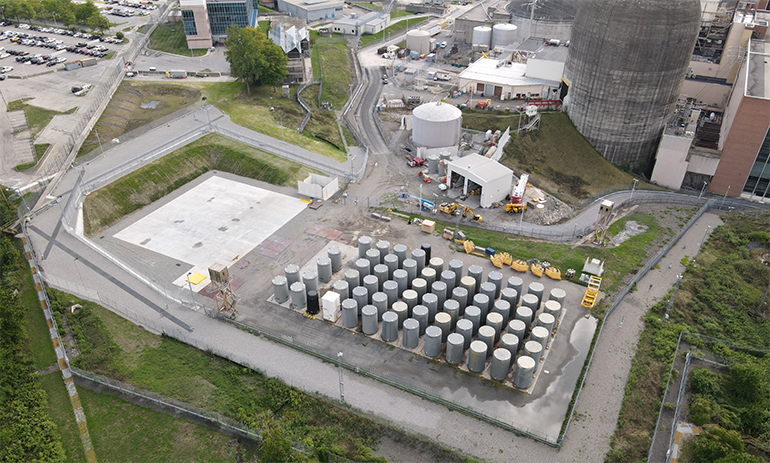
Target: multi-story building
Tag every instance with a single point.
(206, 21)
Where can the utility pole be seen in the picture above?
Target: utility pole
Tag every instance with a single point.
(725, 196)
(673, 296)
(633, 188)
(342, 384)
(192, 293)
(703, 189)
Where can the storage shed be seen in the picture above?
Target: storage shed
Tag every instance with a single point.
(494, 178)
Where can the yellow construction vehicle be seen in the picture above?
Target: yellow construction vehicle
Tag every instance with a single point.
(452, 209)
(448, 208)
(468, 213)
(512, 208)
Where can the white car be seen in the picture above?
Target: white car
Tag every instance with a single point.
(5, 69)
(4, 55)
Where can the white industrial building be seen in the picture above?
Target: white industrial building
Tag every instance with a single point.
(370, 23)
(494, 178)
(312, 10)
(505, 80)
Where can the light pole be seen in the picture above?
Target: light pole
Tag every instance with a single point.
(101, 149)
(633, 188)
(703, 189)
(725, 196)
(192, 293)
(342, 385)
(673, 295)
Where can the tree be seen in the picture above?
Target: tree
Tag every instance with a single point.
(26, 9)
(254, 58)
(84, 11)
(98, 22)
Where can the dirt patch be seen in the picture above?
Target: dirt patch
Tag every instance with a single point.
(632, 228)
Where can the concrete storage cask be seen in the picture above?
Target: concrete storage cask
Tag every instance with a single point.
(454, 349)
(432, 341)
(525, 369)
(411, 333)
(292, 274)
(501, 363)
(477, 357)
(280, 289)
(324, 265)
(364, 244)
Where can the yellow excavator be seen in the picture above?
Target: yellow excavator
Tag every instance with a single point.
(453, 208)
(512, 208)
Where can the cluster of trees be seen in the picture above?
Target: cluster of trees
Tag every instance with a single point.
(60, 11)
(254, 59)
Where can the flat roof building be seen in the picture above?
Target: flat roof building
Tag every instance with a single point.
(312, 10)
(505, 80)
(370, 23)
(206, 21)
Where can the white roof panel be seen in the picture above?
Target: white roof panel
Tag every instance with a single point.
(482, 167)
(487, 70)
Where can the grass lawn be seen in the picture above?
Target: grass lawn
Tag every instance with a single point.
(556, 156)
(331, 61)
(264, 25)
(39, 338)
(37, 117)
(170, 38)
(322, 123)
(399, 14)
(106, 206)
(368, 6)
(60, 408)
(124, 112)
(265, 10)
(254, 113)
(40, 149)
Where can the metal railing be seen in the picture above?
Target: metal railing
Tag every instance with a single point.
(304, 104)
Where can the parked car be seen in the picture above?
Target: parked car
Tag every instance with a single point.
(5, 69)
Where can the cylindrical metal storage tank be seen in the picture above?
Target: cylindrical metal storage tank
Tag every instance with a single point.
(410, 265)
(310, 280)
(390, 261)
(524, 314)
(437, 264)
(456, 265)
(426, 247)
(432, 341)
(501, 363)
(390, 288)
(402, 278)
(518, 328)
(411, 333)
(448, 277)
(324, 265)
(536, 288)
(487, 335)
(540, 334)
(477, 273)
(361, 296)
(369, 320)
(349, 313)
(418, 40)
(439, 289)
(364, 244)
(384, 248)
(558, 295)
(529, 301)
(488, 289)
(292, 274)
(546, 320)
(420, 313)
(464, 327)
(444, 321)
(280, 289)
(352, 278)
(525, 369)
(420, 286)
(400, 309)
(389, 326)
(342, 288)
(433, 164)
(478, 356)
(381, 272)
(400, 251)
(436, 124)
(372, 285)
(430, 301)
(460, 295)
(504, 309)
(495, 320)
(362, 265)
(516, 283)
(373, 256)
(380, 302)
(418, 255)
(454, 349)
(511, 342)
(410, 299)
(533, 349)
(429, 275)
(469, 283)
(335, 255)
(626, 63)
(473, 314)
(482, 302)
(510, 296)
(298, 296)
(312, 303)
(482, 35)
(452, 308)
(503, 34)
(553, 308)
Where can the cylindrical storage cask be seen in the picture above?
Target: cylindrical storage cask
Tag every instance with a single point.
(487, 336)
(452, 308)
(298, 296)
(518, 328)
(364, 244)
(390, 288)
(361, 296)
(324, 265)
(488, 289)
(380, 302)
(454, 349)
(558, 295)
(482, 302)
(529, 300)
(353, 278)
(373, 256)
(495, 320)
(511, 342)
(518, 284)
(546, 320)
(524, 314)
(390, 261)
(410, 333)
(410, 299)
(430, 301)
(342, 288)
(362, 265)
(501, 363)
(420, 286)
(310, 280)
(410, 265)
(525, 369)
(437, 264)
(460, 295)
(313, 307)
(426, 249)
(540, 334)
(400, 251)
(533, 349)
(349, 313)
(536, 288)
(504, 309)
(402, 278)
(372, 285)
(448, 277)
(432, 341)
(429, 275)
(456, 265)
(291, 272)
(473, 314)
(553, 308)
(439, 289)
(389, 326)
(381, 272)
(384, 248)
(420, 313)
(477, 273)
(369, 320)
(496, 278)
(469, 283)
(400, 309)
(280, 289)
(510, 296)
(444, 321)
(464, 327)
(418, 255)
(335, 256)
(477, 357)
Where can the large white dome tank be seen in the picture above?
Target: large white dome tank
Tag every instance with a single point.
(482, 35)
(436, 124)
(503, 34)
(418, 41)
